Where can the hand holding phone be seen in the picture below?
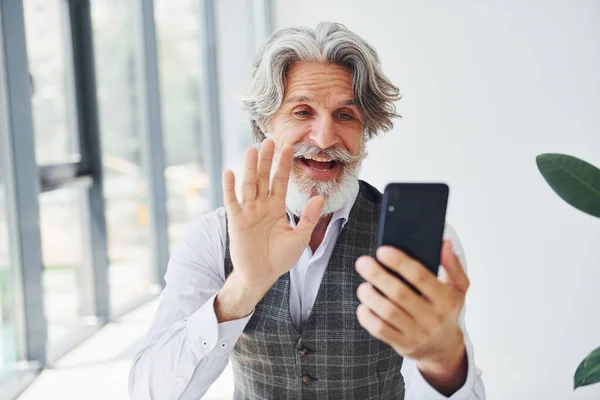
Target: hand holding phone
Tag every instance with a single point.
(412, 219)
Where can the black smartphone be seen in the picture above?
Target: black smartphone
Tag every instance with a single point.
(412, 218)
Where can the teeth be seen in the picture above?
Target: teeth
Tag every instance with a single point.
(319, 159)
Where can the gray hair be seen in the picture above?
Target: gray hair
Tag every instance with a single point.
(332, 43)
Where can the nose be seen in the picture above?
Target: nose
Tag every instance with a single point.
(323, 132)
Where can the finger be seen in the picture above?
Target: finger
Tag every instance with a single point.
(385, 309)
(378, 328)
(392, 287)
(232, 205)
(282, 175)
(413, 271)
(455, 275)
(310, 218)
(249, 182)
(265, 160)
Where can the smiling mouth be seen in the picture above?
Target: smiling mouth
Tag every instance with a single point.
(318, 163)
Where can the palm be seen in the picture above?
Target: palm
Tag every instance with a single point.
(263, 245)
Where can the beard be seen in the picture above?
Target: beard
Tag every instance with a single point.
(301, 188)
(335, 192)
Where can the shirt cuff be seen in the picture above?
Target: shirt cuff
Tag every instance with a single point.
(423, 390)
(207, 336)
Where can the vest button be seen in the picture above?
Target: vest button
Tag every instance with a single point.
(303, 352)
(306, 379)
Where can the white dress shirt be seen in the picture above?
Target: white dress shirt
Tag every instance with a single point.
(186, 348)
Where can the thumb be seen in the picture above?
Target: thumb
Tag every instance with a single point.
(454, 274)
(310, 218)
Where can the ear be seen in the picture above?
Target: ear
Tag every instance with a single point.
(258, 132)
(264, 129)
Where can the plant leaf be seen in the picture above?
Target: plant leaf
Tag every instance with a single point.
(588, 371)
(577, 182)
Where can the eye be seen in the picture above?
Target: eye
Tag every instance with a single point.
(302, 113)
(345, 116)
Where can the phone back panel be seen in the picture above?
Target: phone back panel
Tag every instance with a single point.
(412, 219)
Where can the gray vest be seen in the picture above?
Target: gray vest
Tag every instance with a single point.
(333, 357)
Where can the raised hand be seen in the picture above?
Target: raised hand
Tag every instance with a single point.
(263, 245)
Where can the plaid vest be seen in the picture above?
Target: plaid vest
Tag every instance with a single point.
(333, 357)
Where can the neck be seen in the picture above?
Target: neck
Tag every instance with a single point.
(319, 232)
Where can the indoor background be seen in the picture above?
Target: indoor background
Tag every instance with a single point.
(118, 116)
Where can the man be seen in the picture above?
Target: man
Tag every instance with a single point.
(283, 280)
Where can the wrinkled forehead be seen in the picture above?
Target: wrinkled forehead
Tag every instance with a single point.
(318, 82)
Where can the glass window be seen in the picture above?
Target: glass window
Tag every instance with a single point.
(63, 244)
(179, 58)
(236, 50)
(51, 80)
(125, 187)
(61, 213)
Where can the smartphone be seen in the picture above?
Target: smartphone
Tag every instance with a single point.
(412, 218)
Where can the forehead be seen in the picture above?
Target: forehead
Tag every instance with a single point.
(318, 81)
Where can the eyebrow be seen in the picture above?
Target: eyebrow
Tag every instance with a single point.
(305, 99)
(299, 99)
(349, 102)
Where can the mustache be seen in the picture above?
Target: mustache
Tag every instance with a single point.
(336, 153)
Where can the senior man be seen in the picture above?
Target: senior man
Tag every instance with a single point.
(283, 280)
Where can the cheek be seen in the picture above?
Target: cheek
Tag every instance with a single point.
(291, 133)
(353, 142)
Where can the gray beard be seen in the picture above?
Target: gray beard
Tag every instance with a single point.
(336, 192)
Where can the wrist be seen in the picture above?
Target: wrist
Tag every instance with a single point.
(237, 298)
(446, 365)
(447, 372)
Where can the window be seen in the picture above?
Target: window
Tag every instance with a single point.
(125, 185)
(47, 30)
(237, 48)
(63, 246)
(179, 58)
(51, 81)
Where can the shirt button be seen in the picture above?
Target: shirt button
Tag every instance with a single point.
(308, 311)
(179, 379)
(204, 343)
(303, 352)
(306, 379)
(224, 345)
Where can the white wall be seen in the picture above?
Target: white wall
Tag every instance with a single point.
(487, 87)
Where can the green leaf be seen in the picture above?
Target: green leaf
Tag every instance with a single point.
(588, 371)
(575, 181)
